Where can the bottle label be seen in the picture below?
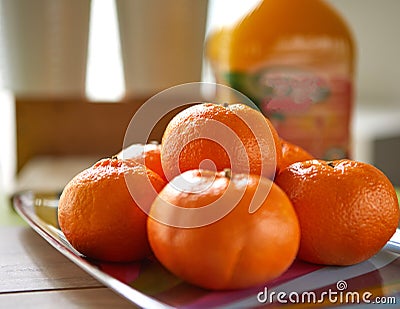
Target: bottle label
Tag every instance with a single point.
(309, 110)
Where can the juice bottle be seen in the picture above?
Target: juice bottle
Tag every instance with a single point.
(295, 60)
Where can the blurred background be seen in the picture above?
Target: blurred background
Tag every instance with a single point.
(37, 153)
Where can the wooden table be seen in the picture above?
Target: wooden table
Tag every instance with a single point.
(35, 275)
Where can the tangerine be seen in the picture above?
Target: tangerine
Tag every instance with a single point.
(148, 154)
(98, 215)
(292, 153)
(215, 137)
(347, 210)
(220, 231)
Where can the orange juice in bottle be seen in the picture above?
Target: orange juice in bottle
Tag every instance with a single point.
(295, 60)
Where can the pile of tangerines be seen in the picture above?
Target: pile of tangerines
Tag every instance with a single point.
(224, 203)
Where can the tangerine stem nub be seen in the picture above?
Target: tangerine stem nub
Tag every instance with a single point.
(228, 173)
(330, 163)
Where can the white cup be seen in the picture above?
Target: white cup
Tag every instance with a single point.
(43, 46)
(161, 43)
